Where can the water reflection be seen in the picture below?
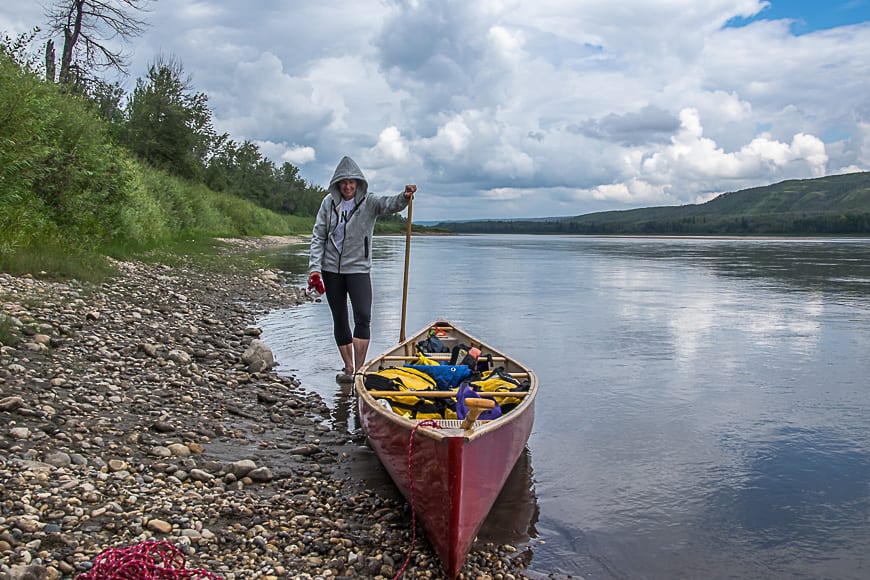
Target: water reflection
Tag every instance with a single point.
(796, 485)
(345, 418)
(515, 513)
(802, 264)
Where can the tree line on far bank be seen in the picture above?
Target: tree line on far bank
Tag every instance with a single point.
(832, 205)
(850, 223)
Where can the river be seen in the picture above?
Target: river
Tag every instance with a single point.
(705, 403)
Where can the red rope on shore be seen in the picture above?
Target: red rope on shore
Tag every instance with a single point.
(157, 560)
(426, 423)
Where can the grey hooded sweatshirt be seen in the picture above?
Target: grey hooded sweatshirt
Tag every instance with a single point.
(355, 256)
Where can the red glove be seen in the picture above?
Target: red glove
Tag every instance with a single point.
(316, 282)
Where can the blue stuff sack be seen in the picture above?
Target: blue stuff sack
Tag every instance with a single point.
(446, 376)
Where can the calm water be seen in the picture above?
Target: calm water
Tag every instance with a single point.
(704, 408)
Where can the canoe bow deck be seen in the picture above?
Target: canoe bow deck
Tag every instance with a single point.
(456, 473)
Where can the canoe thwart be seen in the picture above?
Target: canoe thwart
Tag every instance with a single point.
(444, 394)
(433, 356)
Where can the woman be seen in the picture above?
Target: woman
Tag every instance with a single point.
(341, 256)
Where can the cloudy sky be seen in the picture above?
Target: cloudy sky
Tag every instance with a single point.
(519, 108)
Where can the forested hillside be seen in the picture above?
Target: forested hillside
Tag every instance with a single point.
(835, 205)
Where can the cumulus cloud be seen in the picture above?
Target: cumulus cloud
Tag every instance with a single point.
(553, 107)
(299, 155)
(262, 100)
(649, 125)
(390, 146)
(695, 156)
(696, 164)
(862, 145)
(451, 139)
(281, 152)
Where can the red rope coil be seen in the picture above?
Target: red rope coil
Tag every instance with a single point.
(156, 560)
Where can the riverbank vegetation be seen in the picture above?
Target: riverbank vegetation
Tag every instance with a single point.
(83, 176)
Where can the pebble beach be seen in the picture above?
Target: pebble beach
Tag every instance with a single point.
(147, 409)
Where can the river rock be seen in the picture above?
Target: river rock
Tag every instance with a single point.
(152, 413)
(258, 356)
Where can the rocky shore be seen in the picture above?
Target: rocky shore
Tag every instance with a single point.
(146, 409)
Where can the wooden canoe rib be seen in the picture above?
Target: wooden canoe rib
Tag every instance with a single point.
(457, 473)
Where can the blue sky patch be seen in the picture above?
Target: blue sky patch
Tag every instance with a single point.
(811, 15)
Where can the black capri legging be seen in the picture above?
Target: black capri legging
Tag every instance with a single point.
(359, 288)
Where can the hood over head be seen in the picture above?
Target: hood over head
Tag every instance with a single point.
(348, 169)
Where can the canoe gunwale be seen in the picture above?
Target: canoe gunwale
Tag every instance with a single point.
(480, 429)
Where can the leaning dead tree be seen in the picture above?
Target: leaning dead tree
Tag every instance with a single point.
(93, 31)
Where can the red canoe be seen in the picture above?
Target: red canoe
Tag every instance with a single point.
(456, 472)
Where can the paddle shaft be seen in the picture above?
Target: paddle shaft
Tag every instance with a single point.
(407, 267)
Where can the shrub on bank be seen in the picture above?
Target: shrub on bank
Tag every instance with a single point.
(69, 194)
(60, 176)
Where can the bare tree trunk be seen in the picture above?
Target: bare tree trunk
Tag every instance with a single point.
(88, 28)
(50, 63)
(71, 32)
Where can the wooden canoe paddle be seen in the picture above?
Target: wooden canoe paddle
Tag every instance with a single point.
(475, 408)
